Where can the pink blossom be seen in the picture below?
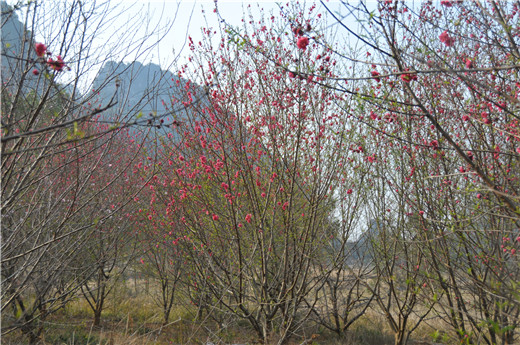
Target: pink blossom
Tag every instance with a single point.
(215, 217)
(40, 49)
(376, 76)
(446, 39)
(408, 77)
(449, 3)
(302, 43)
(469, 63)
(57, 64)
(248, 218)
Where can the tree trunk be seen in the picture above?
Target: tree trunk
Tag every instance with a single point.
(97, 317)
(399, 338)
(166, 316)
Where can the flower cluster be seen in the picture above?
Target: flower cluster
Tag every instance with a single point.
(302, 43)
(446, 39)
(408, 77)
(449, 3)
(55, 64)
(376, 76)
(41, 49)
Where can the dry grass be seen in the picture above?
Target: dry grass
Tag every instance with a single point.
(132, 318)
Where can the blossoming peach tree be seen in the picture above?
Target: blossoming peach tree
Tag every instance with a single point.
(249, 179)
(438, 82)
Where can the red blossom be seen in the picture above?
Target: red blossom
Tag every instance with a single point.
(40, 49)
(302, 43)
(446, 39)
(57, 64)
(376, 76)
(248, 218)
(215, 217)
(35, 72)
(449, 3)
(407, 77)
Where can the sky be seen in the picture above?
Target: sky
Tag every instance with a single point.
(183, 17)
(188, 17)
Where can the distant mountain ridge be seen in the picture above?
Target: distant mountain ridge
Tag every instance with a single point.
(12, 48)
(143, 93)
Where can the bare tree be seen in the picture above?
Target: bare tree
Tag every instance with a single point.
(50, 151)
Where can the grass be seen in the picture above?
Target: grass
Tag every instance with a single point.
(132, 318)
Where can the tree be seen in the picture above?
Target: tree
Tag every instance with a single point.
(163, 257)
(249, 176)
(50, 152)
(438, 82)
(110, 247)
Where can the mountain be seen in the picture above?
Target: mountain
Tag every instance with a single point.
(12, 47)
(12, 30)
(144, 94)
